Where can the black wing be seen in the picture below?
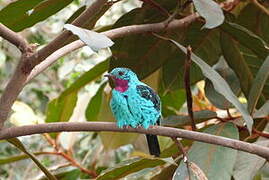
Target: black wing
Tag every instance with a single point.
(148, 93)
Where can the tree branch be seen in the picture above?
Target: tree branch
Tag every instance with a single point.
(43, 53)
(18, 79)
(113, 34)
(158, 130)
(29, 59)
(14, 38)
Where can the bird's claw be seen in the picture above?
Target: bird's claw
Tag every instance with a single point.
(153, 127)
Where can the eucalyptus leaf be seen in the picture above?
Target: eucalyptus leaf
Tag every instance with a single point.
(247, 38)
(144, 53)
(216, 162)
(257, 85)
(236, 60)
(219, 84)
(194, 171)
(263, 111)
(211, 11)
(94, 40)
(230, 77)
(247, 165)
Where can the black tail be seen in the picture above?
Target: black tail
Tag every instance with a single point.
(153, 144)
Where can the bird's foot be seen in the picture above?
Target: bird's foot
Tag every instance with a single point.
(153, 127)
(126, 127)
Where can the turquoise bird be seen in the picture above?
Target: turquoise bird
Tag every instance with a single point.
(135, 104)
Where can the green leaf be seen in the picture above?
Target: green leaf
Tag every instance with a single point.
(87, 77)
(194, 171)
(220, 85)
(61, 109)
(246, 38)
(205, 43)
(216, 162)
(258, 85)
(181, 120)
(230, 77)
(172, 102)
(25, 13)
(263, 111)
(94, 40)
(138, 51)
(166, 173)
(255, 20)
(17, 158)
(130, 167)
(236, 61)
(247, 165)
(69, 174)
(16, 142)
(94, 106)
(211, 11)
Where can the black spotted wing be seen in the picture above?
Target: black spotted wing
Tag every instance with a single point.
(148, 93)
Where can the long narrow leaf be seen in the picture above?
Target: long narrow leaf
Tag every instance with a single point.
(258, 84)
(17, 143)
(17, 158)
(263, 111)
(211, 11)
(219, 84)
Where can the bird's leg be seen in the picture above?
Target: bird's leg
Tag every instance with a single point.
(127, 127)
(153, 126)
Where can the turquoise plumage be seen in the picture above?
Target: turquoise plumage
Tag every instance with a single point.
(134, 104)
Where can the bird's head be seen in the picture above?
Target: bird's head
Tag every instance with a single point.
(121, 77)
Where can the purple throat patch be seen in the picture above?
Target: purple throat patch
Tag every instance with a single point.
(121, 85)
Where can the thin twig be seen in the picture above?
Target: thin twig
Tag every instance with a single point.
(185, 157)
(111, 127)
(14, 38)
(187, 86)
(51, 141)
(76, 164)
(67, 156)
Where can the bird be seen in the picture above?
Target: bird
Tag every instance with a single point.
(135, 104)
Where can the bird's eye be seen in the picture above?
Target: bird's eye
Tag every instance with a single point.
(121, 73)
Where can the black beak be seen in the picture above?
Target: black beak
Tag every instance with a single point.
(111, 79)
(109, 76)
